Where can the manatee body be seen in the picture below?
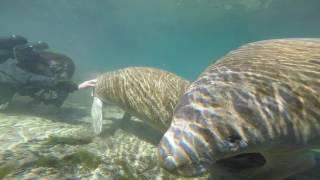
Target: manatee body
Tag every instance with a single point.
(149, 94)
(255, 113)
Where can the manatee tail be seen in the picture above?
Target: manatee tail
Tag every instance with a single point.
(96, 114)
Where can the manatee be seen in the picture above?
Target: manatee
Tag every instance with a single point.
(149, 94)
(254, 113)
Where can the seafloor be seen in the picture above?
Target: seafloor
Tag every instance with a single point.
(39, 143)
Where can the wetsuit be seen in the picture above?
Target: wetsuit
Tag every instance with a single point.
(7, 44)
(13, 78)
(24, 71)
(48, 90)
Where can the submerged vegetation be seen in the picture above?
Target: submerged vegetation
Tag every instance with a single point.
(53, 140)
(49, 161)
(6, 169)
(128, 171)
(85, 158)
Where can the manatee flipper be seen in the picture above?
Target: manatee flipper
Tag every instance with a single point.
(126, 116)
(282, 164)
(96, 115)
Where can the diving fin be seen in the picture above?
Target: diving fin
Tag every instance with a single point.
(96, 115)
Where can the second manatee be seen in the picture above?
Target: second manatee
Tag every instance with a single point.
(149, 94)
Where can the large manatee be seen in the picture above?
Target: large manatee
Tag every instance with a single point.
(149, 94)
(255, 113)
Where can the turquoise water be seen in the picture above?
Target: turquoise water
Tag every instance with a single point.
(182, 36)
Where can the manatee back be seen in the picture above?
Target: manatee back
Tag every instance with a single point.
(267, 90)
(147, 93)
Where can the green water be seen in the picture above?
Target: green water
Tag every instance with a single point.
(182, 36)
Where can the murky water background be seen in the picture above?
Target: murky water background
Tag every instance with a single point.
(182, 36)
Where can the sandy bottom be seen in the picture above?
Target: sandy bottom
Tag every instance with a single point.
(38, 142)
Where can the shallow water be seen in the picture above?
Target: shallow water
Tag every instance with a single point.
(41, 145)
(181, 36)
(45, 145)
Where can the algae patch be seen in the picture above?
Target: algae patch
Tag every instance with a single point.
(49, 161)
(5, 170)
(85, 158)
(82, 157)
(53, 140)
(128, 172)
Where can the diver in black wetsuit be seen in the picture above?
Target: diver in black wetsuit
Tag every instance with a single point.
(23, 70)
(7, 44)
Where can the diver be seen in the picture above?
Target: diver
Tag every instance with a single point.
(24, 71)
(7, 44)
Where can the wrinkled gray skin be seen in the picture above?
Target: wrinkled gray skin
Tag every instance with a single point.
(149, 94)
(255, 114)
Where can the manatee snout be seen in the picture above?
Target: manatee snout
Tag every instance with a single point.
(180, 156)
(190, 150)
